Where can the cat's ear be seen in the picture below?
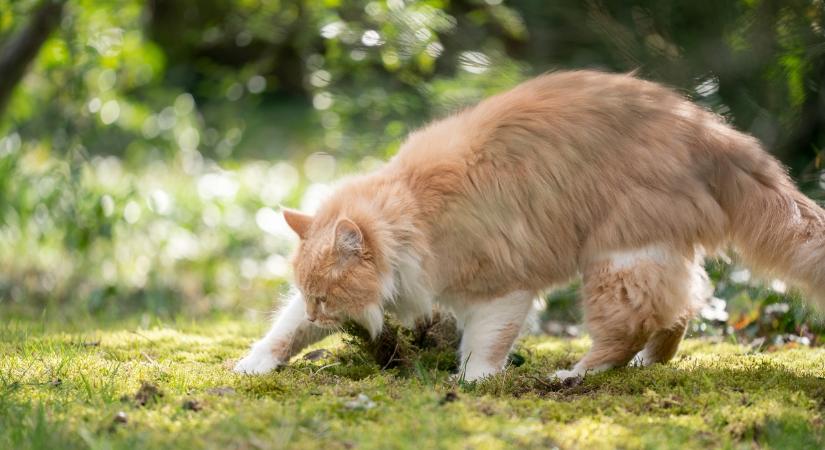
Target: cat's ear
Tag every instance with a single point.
(298, 221)
(349, 241)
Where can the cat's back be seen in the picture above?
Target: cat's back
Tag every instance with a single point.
(572, 117)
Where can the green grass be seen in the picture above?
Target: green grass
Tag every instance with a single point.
(62, 386)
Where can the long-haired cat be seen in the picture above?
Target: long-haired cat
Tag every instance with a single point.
(618, 179)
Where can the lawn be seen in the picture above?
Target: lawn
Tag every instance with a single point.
(168, 385)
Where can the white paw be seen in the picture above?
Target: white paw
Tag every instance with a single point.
(563, 375)
(257, 362)
(578, 371)
(642, 359)
(477, 373)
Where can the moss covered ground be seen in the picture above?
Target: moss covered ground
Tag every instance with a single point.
(168, 385)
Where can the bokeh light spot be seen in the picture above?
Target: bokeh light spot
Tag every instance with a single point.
(319, 167)
(131, 212)
(184, 104)
(110, 112)
(322, 100)
(256, 84)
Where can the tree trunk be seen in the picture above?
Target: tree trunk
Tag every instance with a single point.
(17, 54)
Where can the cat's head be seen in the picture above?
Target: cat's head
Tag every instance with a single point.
(337, 270)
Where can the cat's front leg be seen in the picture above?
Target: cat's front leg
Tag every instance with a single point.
(289, 334)
(489, 330)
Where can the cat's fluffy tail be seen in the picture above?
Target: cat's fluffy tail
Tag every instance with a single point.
(775, 228)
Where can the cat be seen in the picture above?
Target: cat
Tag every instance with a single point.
(607, 176)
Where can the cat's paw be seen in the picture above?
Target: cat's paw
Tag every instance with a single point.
(475, 373)
(579, 371)
(644, 359)
(257, 362)
(564, 375)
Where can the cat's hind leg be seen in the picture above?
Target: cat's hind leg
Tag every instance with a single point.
(631, 297)
(663, 344)
(489, 329)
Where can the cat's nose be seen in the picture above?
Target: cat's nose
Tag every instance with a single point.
(311, 318)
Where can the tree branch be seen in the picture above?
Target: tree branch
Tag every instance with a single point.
(21, 49)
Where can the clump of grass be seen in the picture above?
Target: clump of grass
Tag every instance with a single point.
(432, 342)
(147, 394)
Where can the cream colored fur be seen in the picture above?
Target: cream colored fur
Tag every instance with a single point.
(609, 176)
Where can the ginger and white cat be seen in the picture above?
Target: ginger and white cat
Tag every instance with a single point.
(618, 179)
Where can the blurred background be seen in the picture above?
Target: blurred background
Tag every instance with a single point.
(145, 145)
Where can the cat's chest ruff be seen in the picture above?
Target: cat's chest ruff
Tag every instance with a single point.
(407, 292)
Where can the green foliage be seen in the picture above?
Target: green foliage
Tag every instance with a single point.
(178, 235)
(145, 154)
